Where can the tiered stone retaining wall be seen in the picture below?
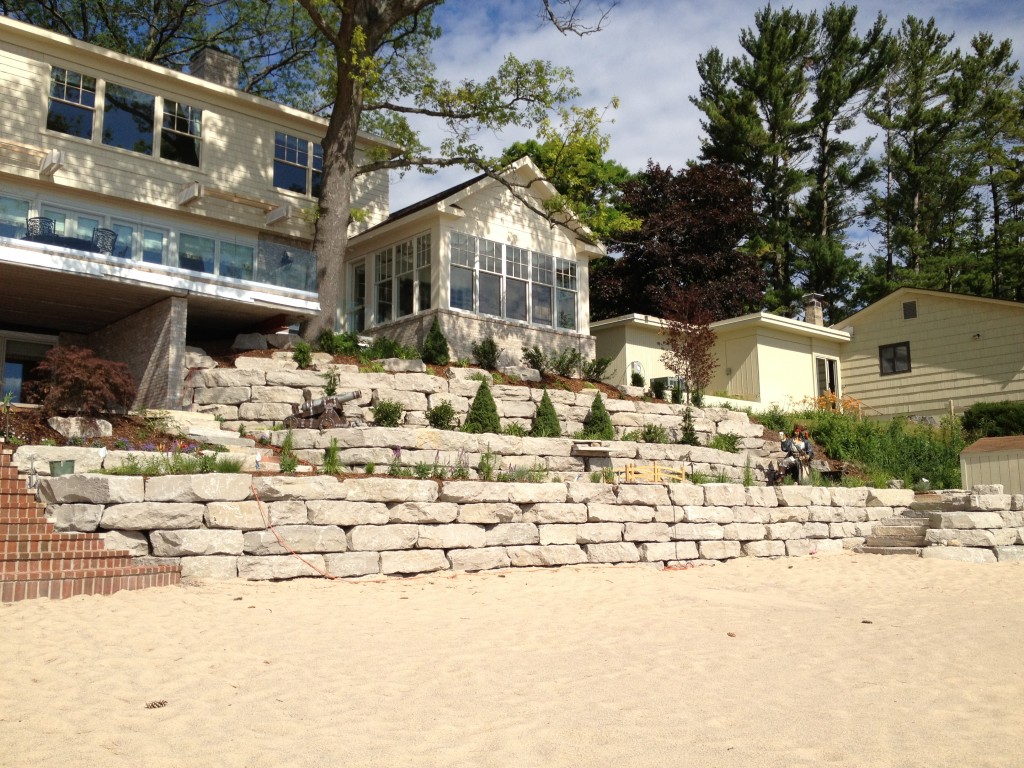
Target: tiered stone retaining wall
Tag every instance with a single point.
(217, 525)
(983, 525)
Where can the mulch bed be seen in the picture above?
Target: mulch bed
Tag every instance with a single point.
(28, 426)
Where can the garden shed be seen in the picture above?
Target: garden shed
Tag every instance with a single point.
(994, 460)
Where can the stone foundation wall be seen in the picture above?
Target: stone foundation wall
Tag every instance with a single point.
(219, 525)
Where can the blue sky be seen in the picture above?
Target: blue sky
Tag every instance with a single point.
(646, 57)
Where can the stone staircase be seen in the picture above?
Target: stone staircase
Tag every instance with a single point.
(897, 536)
(204, 428)
(36, 561)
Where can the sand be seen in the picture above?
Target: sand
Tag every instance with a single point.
(851, 660)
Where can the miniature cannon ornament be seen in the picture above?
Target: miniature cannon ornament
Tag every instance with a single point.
(324, 413)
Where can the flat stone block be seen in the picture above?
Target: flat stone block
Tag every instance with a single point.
(619, 513)
(760, 496)
(751, 514)
(598, 533)
(557, 534)
(264, 411)
(486, 513)
(966, 520)
(454, 536)
(231, 377)
(643, 495)
(467, 492)
(687, 550)
(707, 514)
(485, 559)
(724, 494)
(382, 537)
(424, 512)
(584, 493)
(785, 514)
(299, 538)
(84, 518)
(349, 564)
(658, 552)
(765, 549)
(1010, 554)
(146, 516)
(135, 542)
(209, 567)
(744, 532)
(990, 502)
(544, 556)
(719, 550)
(184, 543)
(221, 395)
(802, 496)
(696, 531)
(92, 489)
(278, 488)
(786, 531)
(240, 515)
(998, 537)
(890, 497)
(959, 554)
(347, 513)
(816, 530)
(505, 534)
(646, 532)
(279, 567)
(390, 490)
(619, 552)
(421, 561)
(848, 497)
(551, 512)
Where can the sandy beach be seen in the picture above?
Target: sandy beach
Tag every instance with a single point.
(850, 660)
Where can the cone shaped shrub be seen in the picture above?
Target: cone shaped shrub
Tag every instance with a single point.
(545, 421)
(435, 346)
(483, 413)
(598, 424)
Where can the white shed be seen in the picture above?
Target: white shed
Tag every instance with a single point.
(994, 460)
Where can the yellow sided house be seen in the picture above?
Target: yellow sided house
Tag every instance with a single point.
(932, 353)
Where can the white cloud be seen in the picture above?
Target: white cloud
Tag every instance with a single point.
(646, 56)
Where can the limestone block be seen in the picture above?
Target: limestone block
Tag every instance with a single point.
(470, 374)
(1017, 502)
(985, 488)
(646, 495)
(820, 514)
(281, 361)
(584, 493)
(999, 537)
(701, 514)
(146, 516)
(966, 520)
(533, 555)
(135, 542)
(1010, 554)
(221, 395)
(197, 358)
(410, 401)
(687, 550)
(517, 409)
(786, 531)
(720, 550)
(360, 457)
(211, 487)
(1012, 518)
(802, 495)
(484, 559)
(557, 534)
(760, 496)
(941, 501)
(37, 458)
(510, 392)
(348, 564)
(994, 502)
(646, 532)
(424, 383)
(92, 489)
(686, 494)
(453, 536)
(423, 512)
(459, 404)
(505, 534)
(848, 497)
(281, 488)
(382, 537)
(619, 513)
(80, 427)
(370, 437)
(816, 530)
(240, 515)
(279, 566)
(264, 411)
(665, 513)
(959, 554)
(850, 530)
(220, 412)
(652, 553)
(187, 543)
(468, 492)
(546, 446)
(764, 548)
(805, 547)
(464, 388)
(754, 514)
(598, 533)
(347, 513)
(890, 497)
(486, 513)
(421, 561)
(621, 552)
(276, 395)
(75, 517)
(744, 532)
(209, 567)
(299, 538)
(230, 377)
(536, 493)
(628, 421)
(696, 532)
(854, 542)
(786, 514)
(725, 494)
(554, 512)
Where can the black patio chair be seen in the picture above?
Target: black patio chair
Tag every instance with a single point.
(39, 226)
(104, 240)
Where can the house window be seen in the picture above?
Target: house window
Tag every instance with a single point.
(128, 119)
(154, 245)
(894, 358)
(517, 275)
(19, 356)
(297, 167)
(69, 223)
(236, 261)
(13, 217)
(463, 262)
(402, 279)
(827, 373)
(541, 295)
(357, 299)
(197, 253)
(181, 134)
(72, 103)
(565, 275)
(385, 271)
(423, 271)
(489, 278)
(124, 246)
(909, 310)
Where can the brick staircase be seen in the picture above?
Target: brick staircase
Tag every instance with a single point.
(897, 536)
(36, 561)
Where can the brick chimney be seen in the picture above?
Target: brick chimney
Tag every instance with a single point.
(813, 309)
(216, 66)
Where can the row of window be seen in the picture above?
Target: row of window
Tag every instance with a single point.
(129, 120)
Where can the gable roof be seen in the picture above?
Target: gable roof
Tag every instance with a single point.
(905, 292)
(755, 320)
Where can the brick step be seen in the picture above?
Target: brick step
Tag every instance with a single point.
(49, 562)
(96, 581)
(14, 525)
(8, 471)
(15, 485)
(867, 550)
(17, 515)
(19, 500)
(894, 541)
(49, 542)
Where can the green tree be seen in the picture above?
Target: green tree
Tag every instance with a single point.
(545, 421)
(597, 424)
(435, 346)
(483, 412)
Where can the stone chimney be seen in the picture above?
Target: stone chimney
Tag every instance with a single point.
(813, 309)
(216, 66)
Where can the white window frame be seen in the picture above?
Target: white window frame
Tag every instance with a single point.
(407, 258)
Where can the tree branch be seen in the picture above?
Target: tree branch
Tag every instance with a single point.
(570, 21)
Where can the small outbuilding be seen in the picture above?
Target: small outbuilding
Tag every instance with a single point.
(994, 460)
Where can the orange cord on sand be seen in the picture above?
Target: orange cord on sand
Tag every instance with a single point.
(272, 529)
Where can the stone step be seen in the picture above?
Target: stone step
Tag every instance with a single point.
(894, 541)
(221, 437)
(868, 550)
(891, 531)
(916, 520)
(86, 581)
(50, 562)
(49, 542)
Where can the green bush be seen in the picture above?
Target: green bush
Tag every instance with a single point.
(535, 357)
(595, 370)
(483, 413)
(725, 442)
(653, 433)
(383, 347)
(677, 395)
(435, 346)
(289, 461)
(331, 464)
(387, 413)
(597, 425)
(442, 416)
(636, 379)
(303, 355)
(658, 387)
(995, 419)
(346, 344)
(486, 353)
(177, 464)
(545, 421)
(566, 363)
(688, 435)
(776, 420)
